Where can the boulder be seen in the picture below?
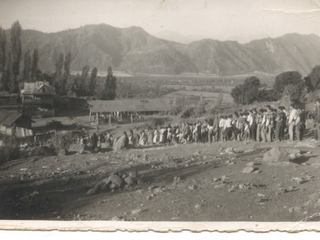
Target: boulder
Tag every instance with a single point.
(77, 148)
(277, 154)
(312, 143)
(121, 143)
(114, 181)
(249, 169)
(229, 150)
(130, 181)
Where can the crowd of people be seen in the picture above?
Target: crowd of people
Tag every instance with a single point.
(262, 125)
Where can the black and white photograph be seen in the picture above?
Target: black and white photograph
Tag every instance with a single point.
(160, 110)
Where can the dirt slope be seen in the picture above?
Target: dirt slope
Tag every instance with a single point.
(194, 182)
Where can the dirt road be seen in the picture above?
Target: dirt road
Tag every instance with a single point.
(193, 182)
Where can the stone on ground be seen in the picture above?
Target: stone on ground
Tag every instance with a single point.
(121, 143)
(277, 154)
(78, 148)
(249, 169)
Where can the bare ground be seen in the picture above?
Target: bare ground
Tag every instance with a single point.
(193, 182)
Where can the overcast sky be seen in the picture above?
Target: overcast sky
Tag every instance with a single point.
(240, 20)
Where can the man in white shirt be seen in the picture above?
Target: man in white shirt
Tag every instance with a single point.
(221, 127)
(293, 116)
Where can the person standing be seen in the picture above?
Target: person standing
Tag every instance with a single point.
(281, 120)
(251, 119)
(293, 115)
(259, 118)
(317, 118)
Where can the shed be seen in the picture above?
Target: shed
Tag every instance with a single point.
(14, 123)
(132, 109)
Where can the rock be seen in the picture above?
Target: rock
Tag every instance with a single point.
(149, 197)
(218, 186)
(116, 218)
(112, 182)
(197, 206)
(238, 150)
(157, 190)
(299, 180)
(229, 162)
(262, 198)
(77, 148)
(232, 188)
(193, 187)
(308, 143)
(252, 164)
(115, 181)
(294, 156)
(62, 152)
(121, 143)
(290, 189)
(197, 153)
(145, 157)
(216, 179)
(244, 187)
(294, 209)
(229, 150)
(277, 154)
(176, 180)
(137, 211)
(225, 179)
(130, 181)
(249, 169)
(30, 196)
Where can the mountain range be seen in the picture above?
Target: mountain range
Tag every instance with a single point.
(135, 51)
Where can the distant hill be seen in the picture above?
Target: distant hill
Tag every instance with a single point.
(135, 51)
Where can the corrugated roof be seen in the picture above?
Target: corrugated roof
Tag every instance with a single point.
(130, 105)
(7, 118)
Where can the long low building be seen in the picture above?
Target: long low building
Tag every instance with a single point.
(129, 106)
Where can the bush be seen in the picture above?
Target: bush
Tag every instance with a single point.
(157, 122)
(10, 150)
(285, 79)
(247, 92)
(187, 112)
(62, 142)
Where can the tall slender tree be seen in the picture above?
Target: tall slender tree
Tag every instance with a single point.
(93, 81)
(58, 76)
(34, 66)
(27, 66)
(110, 86)
(16, 49)
(66, 74)
(83, 80)
(3, 44)
(59, 65)
(8, 83)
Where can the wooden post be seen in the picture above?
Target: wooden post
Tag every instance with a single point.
(90, 116)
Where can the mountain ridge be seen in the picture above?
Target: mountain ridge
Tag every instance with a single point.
(134, 50)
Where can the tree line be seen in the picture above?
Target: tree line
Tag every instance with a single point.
(18, 66)
(289, 83)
